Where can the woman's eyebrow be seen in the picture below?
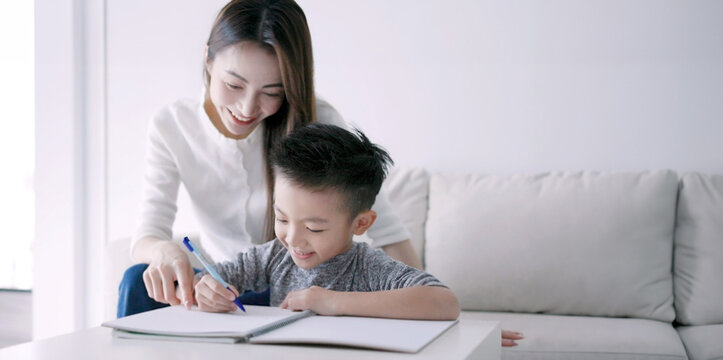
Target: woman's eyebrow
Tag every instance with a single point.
(234, 74)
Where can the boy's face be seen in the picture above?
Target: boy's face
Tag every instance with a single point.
(313, 225)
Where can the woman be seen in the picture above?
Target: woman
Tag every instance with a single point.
(258, 73)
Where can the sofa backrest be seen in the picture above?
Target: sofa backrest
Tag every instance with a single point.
(408, 190)
(698, 270)
(583, 243)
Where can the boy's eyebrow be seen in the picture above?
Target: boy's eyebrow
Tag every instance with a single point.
(314, 219)
(232, 73)
(317, 220)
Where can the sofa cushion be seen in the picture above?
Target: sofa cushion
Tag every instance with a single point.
(562, 243)
(698, 270)
(703, 342)
(577, 337)
(407, 190)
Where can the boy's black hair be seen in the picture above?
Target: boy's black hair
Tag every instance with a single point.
(321, 157)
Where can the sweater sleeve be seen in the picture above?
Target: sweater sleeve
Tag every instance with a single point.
(161, 182)
(385, 273)
(388, 228)
(252, 268)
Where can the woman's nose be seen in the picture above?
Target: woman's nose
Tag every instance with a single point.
(249, 105)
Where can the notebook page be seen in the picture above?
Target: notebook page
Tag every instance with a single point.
(176, 320)
(375, 333)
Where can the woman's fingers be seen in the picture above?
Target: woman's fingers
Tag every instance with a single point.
(160, 285)
(156, 285)
(168, 276)
(184, 274)
(148, 282)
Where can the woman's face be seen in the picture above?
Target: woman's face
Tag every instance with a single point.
(244, 88)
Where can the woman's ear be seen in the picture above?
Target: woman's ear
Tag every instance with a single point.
(206, 60)
(363, 221)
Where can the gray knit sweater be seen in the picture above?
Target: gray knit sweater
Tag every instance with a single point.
(361, 268)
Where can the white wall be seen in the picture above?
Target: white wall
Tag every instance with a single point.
(528, 86)
(155, 53)
(484, 86)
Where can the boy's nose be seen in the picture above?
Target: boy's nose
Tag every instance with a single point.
(294, 238)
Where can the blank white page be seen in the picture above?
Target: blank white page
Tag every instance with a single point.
(176, 320)
(375, 333)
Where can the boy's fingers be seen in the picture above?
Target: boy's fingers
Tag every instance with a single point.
(511, 335)
(506, 342)
(222, 291)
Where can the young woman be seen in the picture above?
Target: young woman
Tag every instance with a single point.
(258, 72)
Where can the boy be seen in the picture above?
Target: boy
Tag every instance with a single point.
(326, 180)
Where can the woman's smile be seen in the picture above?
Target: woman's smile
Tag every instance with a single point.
(240, 119)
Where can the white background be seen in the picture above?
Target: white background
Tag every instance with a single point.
(519, 86)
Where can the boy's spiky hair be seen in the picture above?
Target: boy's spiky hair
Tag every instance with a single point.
(321, 157)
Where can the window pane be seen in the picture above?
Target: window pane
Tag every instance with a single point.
(17, 144)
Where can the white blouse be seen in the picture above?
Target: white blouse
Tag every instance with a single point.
(225, 179)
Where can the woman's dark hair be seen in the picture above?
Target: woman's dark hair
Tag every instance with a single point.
(320, 157)
(281, 27)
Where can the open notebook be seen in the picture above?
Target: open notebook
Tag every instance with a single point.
(272, 325)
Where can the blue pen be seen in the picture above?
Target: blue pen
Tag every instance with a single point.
(210, 269)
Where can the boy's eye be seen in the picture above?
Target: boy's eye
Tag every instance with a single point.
(314, 231)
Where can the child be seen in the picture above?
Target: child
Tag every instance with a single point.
(326, 180)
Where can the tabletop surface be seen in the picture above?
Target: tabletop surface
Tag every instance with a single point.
(468, 339)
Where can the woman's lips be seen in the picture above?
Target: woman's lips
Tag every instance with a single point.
(240, 120)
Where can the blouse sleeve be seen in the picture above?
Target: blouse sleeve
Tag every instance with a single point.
(388, 228)
(161, 182)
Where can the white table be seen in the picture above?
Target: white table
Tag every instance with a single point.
(468, 339)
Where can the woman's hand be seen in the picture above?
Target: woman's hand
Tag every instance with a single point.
(509, 337)
(169, 264)
(211, 296)
(315, 298)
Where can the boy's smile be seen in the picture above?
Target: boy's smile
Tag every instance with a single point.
(313, 225)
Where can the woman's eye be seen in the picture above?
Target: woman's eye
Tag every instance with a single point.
(232, 86)
(272, 95)
(281, 220)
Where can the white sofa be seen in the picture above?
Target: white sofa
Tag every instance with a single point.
(586, 265)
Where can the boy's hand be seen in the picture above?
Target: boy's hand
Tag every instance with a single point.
(315, 298)
(211, 296)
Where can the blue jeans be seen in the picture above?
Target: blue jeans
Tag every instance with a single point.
(133, 297)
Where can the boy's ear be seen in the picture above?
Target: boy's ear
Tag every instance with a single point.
(363, 221)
